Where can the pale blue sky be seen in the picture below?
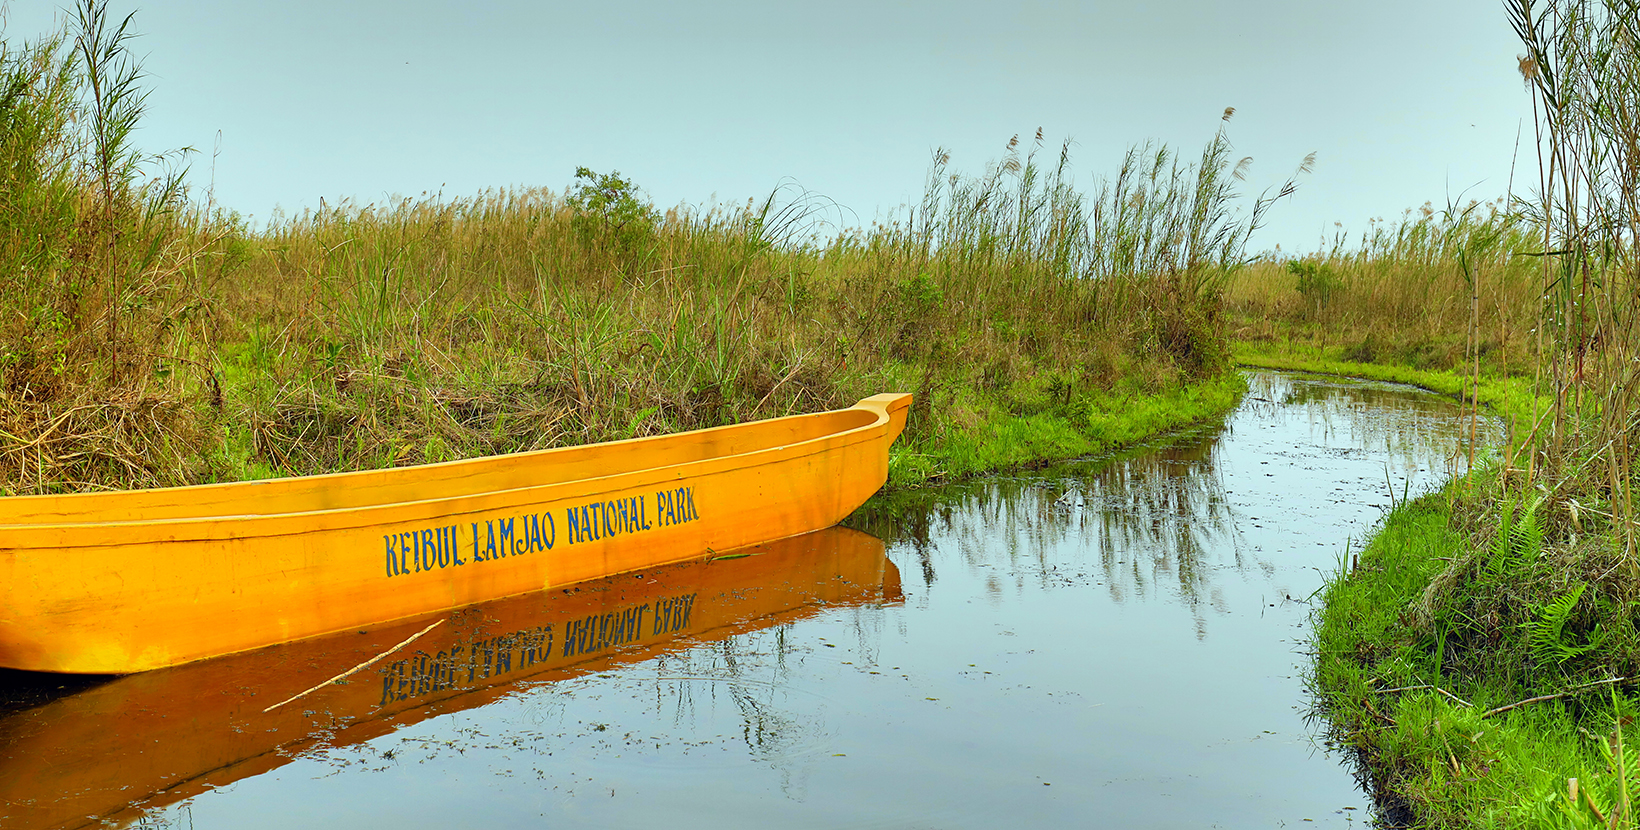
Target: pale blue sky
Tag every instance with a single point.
(1403, 102)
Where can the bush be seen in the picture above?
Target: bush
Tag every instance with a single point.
(1316, 282)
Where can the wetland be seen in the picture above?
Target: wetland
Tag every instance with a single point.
(1121, 636)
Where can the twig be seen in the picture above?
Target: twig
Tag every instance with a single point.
(50, 428)
(776, 387)
(366, 664)
(1540, 698)
(1381, 716)
(210, 375)
(1454, 697)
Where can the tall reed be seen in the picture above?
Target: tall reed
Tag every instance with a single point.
(1582, 64)
(155, 340)
(94, 249)
(1431, 289)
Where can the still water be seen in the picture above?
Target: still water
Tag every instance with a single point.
(1113, 642)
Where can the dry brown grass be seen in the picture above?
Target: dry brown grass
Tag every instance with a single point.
(148, 340)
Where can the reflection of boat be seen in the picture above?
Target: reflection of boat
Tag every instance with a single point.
(158, 737)
(128, 581)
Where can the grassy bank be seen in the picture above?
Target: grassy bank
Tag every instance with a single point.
(1484, 674)
(152, 339)
(1449, 615)
(1482, 652)
(1012, 433)
(1511, 397)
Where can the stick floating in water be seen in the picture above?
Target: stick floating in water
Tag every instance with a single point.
(362, 666)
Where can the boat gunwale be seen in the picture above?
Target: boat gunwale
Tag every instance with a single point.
(232, 526)
(477, 461)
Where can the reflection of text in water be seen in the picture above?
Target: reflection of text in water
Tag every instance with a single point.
(466, 664)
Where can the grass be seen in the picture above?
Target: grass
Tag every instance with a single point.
(1482, 652)
(1510, 397)
(1459, 595)
(1437, 289)
(1033, 431)
(1426, 638)
(154, 339)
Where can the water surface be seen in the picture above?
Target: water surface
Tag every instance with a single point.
(1115, 642)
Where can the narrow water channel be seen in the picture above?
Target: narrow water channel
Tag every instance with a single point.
(1113, 642)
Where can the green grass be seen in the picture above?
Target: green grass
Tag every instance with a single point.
(1456, 593)
(1096, 422)
(1436, 605)
(1446, 760)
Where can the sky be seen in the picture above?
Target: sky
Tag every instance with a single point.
(717, 102)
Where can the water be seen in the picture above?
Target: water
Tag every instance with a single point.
(1117, 642)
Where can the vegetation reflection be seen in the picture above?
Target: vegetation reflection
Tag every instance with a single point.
(1156, 522)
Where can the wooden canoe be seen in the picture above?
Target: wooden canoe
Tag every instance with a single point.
(106, 755)
(113, 583)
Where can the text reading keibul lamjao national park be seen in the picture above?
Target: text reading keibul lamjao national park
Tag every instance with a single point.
(433, 548)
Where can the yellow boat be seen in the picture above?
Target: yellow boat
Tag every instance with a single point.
(121, 582)
(107, 755)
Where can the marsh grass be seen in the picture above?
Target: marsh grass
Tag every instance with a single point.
(153, 340)
(1435, 289)
(90, 236)
(1479, 668)
(364, 336)
(1515, 591)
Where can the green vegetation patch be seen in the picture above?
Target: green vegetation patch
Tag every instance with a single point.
(1469, 652)
(1480, 670)
(1058, 428)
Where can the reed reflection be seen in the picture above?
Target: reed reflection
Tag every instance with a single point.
(1148, 522)
(120, 750)
(1417, 431)
(1158, 523)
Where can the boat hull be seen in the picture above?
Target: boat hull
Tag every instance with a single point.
(148, 586)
